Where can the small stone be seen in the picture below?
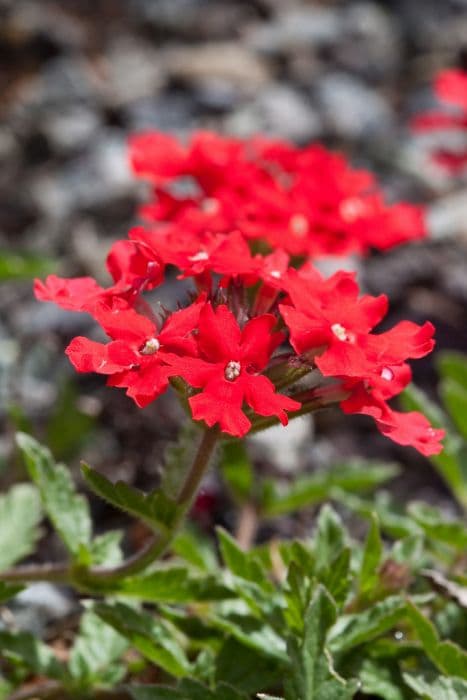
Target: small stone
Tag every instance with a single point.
(307, 28)
(227, 62)
(352, 109)
(40, 605)
(280, 111)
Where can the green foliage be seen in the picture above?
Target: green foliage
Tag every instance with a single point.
(24, 266)
(326, 617)
(20, 514)
(155, 509)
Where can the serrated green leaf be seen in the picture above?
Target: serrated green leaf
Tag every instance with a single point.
(150, 636)
(356, 477)
(440, 688)
(246, 669)
(352, 630)
(68, 510)
(155, 509)
(95, 653)
(242, 564)
(337, 578)
(187, 690)
(436, 526)
(371, 560)
(174, 585)
(454, 397)
(381, 679)
(237, 470)
(330, 539)
(36, 656)
(312, 676)
(445, 655)
(254, 633)
(20, 514)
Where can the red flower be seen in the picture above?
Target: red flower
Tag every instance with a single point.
(404, 428)
(133, 267)
(136, 356)
(228, 371)
(307, 201)
(329, 317)
(450, 87)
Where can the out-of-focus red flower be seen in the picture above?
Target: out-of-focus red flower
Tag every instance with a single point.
(450, 86)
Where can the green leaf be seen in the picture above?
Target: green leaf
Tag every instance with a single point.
(196, 549)
(352, 630)
(150, 636)
(312, 676)
(254, 633)
(436, 526)
(309, 490)
(20, 514)
(392, 520)
(36, 656)
(330, 539)
(454, 396)
(105, 550)
(371, 560)
(68, 510)
(187, 690)
(237, 470)
(174, 585)
(95, 652)
(337, 578)
(381, 679)
(8, 591)
(440, 688)
(155, 509)
(451, 463)
(445, 655)
(242, 564)
(246, 669)
(19, 266)
(453, 365)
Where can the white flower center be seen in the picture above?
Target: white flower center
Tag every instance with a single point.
(277, 274)
(387, 374)
(210, 205)
(232, 370)
(150, 347)
(339, 331)
(299, 225)
(198, 257)
(350, 209)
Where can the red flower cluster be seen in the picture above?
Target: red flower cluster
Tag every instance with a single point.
(221, 352)
(309, 202)
(451, 88)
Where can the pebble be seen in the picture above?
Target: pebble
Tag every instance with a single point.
(280, 111)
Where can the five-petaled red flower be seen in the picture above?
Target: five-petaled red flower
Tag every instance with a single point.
(228, 371)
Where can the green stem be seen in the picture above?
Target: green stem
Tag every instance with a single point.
(96, 577)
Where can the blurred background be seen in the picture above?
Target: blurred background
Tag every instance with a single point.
(77, 77)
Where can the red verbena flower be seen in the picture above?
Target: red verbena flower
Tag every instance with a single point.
(228, 371)
(135, 358)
